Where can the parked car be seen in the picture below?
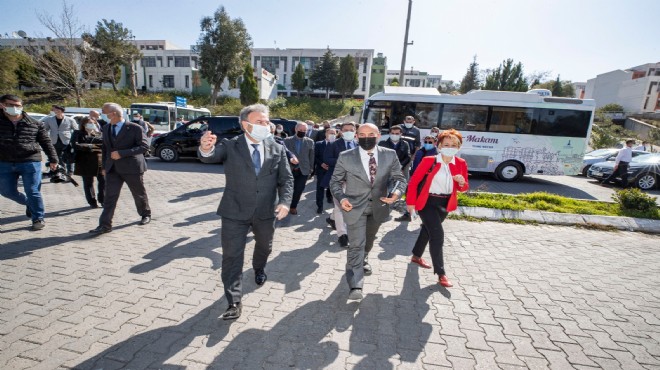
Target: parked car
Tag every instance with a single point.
(37, 116)
(600, 155)
(183, 141)
(643, 171)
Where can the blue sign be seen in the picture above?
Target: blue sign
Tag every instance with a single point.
(180, 101)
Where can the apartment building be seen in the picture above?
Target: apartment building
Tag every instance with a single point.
(414, 78)
(637, 89)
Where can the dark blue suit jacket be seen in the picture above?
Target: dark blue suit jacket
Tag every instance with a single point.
(319, 150)
(330, 156)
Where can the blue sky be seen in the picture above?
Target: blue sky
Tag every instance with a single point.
(577, 39)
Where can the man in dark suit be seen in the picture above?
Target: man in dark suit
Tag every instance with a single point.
(360, 182)
(336, 220)
(400, 146)
(320, 168)
(303, 148)
(257, 179)
(124, 145)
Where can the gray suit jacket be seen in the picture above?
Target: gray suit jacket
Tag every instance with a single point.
(306, 155)
(64, 131)
(359, 192)
(131, 143)
(246, 194)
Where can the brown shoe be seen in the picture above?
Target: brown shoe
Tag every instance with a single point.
(445, 282)
(420, 261)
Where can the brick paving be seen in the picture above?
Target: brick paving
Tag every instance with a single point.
(146, 297)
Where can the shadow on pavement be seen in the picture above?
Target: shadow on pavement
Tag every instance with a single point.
(60, 213)
(391, 242)
(195, 194)
(185, 164)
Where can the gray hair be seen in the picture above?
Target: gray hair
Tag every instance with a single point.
(114, 107)
(301, 124)
(245, 112)
(272, 127)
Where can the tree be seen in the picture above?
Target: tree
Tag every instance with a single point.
(16, 70)
(507, 77)
(325, 74)
(298, 79)
(249, 90)
(60, 65)
(224, 48)
(567, 89)
(395, 82)
(347, 79)
(111, 47)
(471, 79)
(557, 88)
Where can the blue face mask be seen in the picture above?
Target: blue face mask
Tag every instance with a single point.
(428, 146)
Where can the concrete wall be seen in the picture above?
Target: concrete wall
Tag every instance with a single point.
(642, 129)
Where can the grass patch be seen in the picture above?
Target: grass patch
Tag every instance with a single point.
(542, 201)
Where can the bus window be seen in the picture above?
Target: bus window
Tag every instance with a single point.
(568, 123)
(513, 120)
(464, 117)
(427, 115)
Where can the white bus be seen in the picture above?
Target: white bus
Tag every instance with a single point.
(505, 133)
(162, 115)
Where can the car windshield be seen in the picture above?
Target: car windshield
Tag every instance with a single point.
(601, 152)
(647, 158)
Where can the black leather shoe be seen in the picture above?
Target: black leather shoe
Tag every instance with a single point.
(233, 312)
(343, 241)
(367, 268)
(331, 222)
(145, 220)
(94, 205)
(260, 277)
(404, 218)
(100, 230)
(319, 210)
(329, 200)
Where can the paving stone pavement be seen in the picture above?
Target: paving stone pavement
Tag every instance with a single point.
(150, 297)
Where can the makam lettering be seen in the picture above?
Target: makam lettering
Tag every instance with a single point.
(480, 139)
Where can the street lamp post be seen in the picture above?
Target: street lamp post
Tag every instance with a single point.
(405, 43)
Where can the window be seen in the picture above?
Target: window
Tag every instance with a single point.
(284, 62)
(187, 81)
(284, 80)
(464, 117)
(170, 60)
(160, 61)
(571, 123)
(151, 81)
(270, 64)
(364, 83)
(514, 120)
(149, 62)
(651, 87)
(309, 63)
(182, 61)
(168, 81)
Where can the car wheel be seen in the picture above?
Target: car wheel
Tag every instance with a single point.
(168, 153)
(646, 181)
(585, 171)
(508, 171)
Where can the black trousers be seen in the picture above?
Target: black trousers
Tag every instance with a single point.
(59, 148)
(622, 171)
(113, 184)
(94, 198)
(433, 214)
(233, 237)
(320, 191)
(299, 181)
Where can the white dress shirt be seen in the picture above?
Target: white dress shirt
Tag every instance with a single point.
(364, 157)
(442, 181)
(625, 155)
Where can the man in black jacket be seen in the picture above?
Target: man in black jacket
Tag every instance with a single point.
(400, 146)
(21, 141)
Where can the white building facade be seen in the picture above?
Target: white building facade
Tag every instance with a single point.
(414, 78)
(165, 67)
(283, 62)
(637, 89)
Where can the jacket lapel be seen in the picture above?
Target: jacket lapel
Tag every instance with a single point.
(268, 155)
(359, 167)
(241, 146)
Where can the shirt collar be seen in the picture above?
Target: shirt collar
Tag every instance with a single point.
(438, 158)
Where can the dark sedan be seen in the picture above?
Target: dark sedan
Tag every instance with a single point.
(643, 172)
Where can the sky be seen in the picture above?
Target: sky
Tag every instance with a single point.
(576, 39)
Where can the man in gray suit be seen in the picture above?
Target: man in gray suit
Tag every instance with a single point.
(257, 174)
(367, 172)
(303, 148)
(60, 129)
(124, 145)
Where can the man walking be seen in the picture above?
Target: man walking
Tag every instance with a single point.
(61, 128)
(21, 141)
(621, 163)
(303, 148)
(400, 146)
(411, 135)
(124, 145)
(250, 198)
(360, 181)
(321, 168)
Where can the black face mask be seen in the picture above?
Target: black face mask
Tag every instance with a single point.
(300, 134)
(367, 143)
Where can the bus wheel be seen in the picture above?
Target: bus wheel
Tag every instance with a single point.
(508, 171)
(168, 153)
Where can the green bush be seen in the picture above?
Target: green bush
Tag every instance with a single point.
(634, 200)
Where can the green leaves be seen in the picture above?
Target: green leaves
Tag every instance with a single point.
(249, 90)
(507, 77)
(325, 74)
(347, 79)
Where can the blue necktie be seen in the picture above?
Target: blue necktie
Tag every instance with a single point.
(256, 158)
(298, 146)
(115, 130)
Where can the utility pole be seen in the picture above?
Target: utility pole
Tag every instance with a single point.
(405, 44)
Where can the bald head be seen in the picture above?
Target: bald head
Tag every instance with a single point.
(368, 128)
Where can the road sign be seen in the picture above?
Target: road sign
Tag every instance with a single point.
(180, 101)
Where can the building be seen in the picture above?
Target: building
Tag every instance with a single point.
(283, 62)
(579, 89)
(413, 78)
(637, 89)
(378, 72)
(166, 67)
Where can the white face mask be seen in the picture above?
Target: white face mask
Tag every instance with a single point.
(90, 126)
(348, 135)
(259, 132)
(279, 130)
(448, 152)
(434, 134)
(408, 125)
(395, 138)
(332, 138)
(13, 111)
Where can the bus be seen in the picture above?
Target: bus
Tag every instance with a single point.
(162, 115)
(508, 134)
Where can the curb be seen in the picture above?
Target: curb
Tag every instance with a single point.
(563, 219)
